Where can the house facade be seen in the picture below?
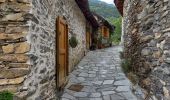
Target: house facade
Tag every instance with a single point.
(36, 56)
(104, 31)
(89, 32)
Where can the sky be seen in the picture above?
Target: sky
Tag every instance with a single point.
(108, 1)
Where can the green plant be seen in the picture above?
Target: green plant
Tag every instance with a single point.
(133, 77)
(73, 42)
(100, 39)
(121, 54)
(116, 35)
(126, 65)
(6, 95)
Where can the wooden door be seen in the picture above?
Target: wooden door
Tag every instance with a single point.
(87, 40)
(62, 52)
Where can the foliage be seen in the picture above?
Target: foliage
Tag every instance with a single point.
(5, 95)
(100, 39)
(104, 9)
(127, 68)
(110, 13)
(133, 77)
(126, 65)
(73, 42)
(116, 36)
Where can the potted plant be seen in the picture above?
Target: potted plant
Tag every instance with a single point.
(73, 41)
(100, 41)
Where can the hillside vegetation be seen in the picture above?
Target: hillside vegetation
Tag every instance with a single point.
(111, 14)
(104, 9)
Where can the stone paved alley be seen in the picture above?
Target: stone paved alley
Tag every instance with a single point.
(99, 77)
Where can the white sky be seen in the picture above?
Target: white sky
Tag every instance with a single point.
(108, 1)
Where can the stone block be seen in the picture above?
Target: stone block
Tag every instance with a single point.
(161, 45)
(146, 82)
(17, 48)
(147, 38)
(1, 1)
(95, 94)
(107, 92)
(22, 47)
(164, 14)
(24, 1)
(8, 48)
(20, 58)
(167, 53)
(10, 0)
(16, 30)
(13, 17)
(157, 54)
(18, 65)
(146, 52)
(4, 36)
(167, 60)
(80, 94)
(11, 81)
(108, 82)
(14, 7)
(142, 14)
(11, 88)
(165, 0)
(2, 29)
(157, 35)
(152, 43)
(166, 92)
(166, 30)
(116, 97)
(13, 72)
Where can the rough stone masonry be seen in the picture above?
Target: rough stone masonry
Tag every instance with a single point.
(27, 45)
(13, 44)
(147, 43)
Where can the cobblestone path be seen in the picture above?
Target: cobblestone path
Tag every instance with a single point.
(99, 77)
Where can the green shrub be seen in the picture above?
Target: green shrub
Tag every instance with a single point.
(126, 65)
(133, 78)
(121, 54)
(116, 35)
(73, 42)
(5, 95)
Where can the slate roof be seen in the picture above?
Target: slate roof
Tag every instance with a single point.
(102, 21)
(84, 6)
(119, 5)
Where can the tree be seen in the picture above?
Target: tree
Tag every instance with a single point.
(117, 22)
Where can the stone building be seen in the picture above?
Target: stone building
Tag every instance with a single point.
(147, 42)
(29, 30)
(104, 31)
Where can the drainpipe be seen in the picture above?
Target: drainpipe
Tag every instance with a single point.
(122, 39)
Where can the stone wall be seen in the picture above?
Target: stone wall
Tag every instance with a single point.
(14, 47)
(42, 36)
(147, 43)
(27, 44)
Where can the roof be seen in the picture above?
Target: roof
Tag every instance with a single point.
(103, 21)
(84, 6)
(119, 5)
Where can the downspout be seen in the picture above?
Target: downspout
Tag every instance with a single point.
(122, 39)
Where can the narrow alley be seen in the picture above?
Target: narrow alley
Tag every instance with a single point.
(99, 77)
